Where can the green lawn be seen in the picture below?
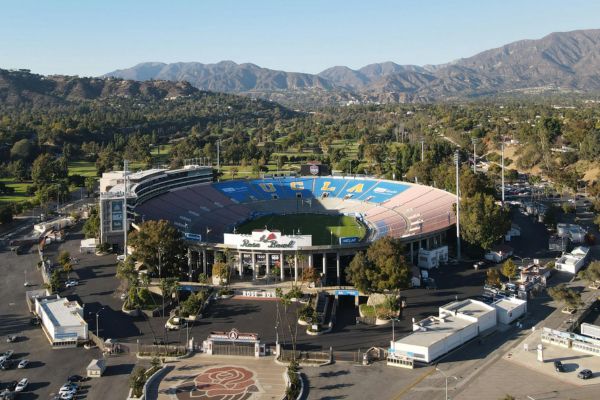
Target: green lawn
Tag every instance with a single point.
(324, 229)
(83, 168)
(20, 193)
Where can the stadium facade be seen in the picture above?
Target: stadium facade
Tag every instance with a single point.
(208, 214)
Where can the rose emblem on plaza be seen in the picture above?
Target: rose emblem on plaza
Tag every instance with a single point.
(223, 383)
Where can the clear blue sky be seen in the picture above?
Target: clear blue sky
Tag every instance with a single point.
(89, 37)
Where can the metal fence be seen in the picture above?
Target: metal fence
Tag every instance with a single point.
(226, 349)
(316, 357)
(161, 350)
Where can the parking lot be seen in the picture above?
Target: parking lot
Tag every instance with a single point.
(48, 368)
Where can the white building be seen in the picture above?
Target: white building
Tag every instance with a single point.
(574, 232)
(432, 258)
(499, 253)
(573, 261)
(509, 309)
(457, 323)
(62, 321)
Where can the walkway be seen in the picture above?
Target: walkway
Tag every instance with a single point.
(206, 377)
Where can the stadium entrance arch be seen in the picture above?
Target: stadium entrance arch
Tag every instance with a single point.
(233, 343)
(348, 292)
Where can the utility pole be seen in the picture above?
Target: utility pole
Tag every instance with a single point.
(457, 160)
(219, 155)
(503, 171)
(422, 148)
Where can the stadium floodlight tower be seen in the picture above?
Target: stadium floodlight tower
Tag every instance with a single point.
(457, 161)
(125, 194)
(502, 170)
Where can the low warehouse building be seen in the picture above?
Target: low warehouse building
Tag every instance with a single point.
(62, 321)
(457, 323)
(573, 261)
(95, 368)
(509, 309)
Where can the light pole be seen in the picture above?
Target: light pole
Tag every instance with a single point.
(394, 330)
(474, 141)
(457, 160)
(97, 325)
(422, 148)
(446, 378)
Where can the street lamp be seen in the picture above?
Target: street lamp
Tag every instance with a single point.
(97, 325)
(446, 378)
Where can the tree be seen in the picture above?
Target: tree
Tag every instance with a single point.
(137, 380)
(159, 245)
(22, 150)
(383, 267)
(126, 271)
(6, 215)
(566, 295)
(591, 274)
(64, 257)
(90, 185)
(91, 228)
(509, 269)
(67, 268)
(54, 281)
(482, 221)
(492, 277)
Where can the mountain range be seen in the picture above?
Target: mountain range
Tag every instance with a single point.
(561, 61)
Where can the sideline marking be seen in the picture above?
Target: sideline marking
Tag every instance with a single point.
(415, 383)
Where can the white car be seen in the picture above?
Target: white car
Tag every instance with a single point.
(121, 257)
(67, 395)
(22, 385)
(71, 283)
(23, 364)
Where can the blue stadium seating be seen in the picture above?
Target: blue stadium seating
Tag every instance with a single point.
(238, 191)
(383, 191)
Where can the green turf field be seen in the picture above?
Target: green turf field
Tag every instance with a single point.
(325, 229)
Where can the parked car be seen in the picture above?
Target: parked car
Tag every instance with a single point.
(71, 283)
(12, 385)
(8, 354)
(22, 385)
(35, 321)
(11, 338)
(121, 257)
(7, 364)
(585, 374)
(23, 364)
(558, 366)
(75, 378)
(158, 342)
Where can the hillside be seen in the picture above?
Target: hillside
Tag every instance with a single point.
(559, 62)
(22, 87)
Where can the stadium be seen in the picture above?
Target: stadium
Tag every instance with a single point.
(278, 225)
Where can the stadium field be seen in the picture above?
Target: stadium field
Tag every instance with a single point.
(325, 229)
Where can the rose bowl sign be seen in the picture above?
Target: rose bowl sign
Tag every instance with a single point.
(267, 240)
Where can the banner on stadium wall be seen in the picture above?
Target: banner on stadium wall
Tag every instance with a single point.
(267, 240)
(194, 237)
(349, 239)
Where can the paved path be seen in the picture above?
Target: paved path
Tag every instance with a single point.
(212, 377)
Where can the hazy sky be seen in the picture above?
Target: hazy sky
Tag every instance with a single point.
(90, 37)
